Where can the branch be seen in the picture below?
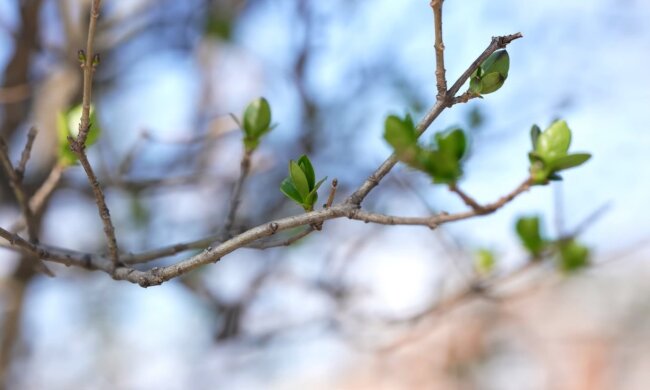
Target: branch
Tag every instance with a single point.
(465, 97)
(41, 195)
(286, 242)
(237, 191)
(375, 178)
(435, 220)
(170, 250)
(23, 202)
(88, 66)
(468, 200)
(104, 213)
(330, 197)
(156, 276)
(17, 188)
(78, 145)
(27, 150)
(439, 46)
(350, 208)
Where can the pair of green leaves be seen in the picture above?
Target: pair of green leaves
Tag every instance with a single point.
(491, 74)
(441, 160)
(570, 254)
(257, 122)
(301, 185)
(67, 124)
(550, 152)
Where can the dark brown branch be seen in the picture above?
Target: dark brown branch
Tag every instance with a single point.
(23, 202)
(104, 213)
(78, 145)
(27, 150)
(41, 195)
(19, 193)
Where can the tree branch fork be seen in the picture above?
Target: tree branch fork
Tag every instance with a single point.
(157, 275)
(121, 266)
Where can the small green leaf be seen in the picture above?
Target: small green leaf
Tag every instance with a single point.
(298, 179)
(491, 82)
(528, 229)
(400, 133)
(535, 131)
(257, 120)
(497, 62)
(290, 191)
(308, 169)
(453, 143)
(444, 168)
(312, 197)
(320, 182)
(475, 83)
(484, 262)
(491, 74)
(569, 161)
(402, 136)
(554, 142)
(573, 256)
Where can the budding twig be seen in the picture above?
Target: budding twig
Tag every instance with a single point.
(89, 61)
(439, 46)
(27, 150)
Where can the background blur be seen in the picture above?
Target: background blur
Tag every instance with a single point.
(353, 306)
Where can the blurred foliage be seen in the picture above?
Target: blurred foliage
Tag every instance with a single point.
(68, 126)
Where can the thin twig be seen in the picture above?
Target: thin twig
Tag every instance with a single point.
(23, 202)
(286, 242)
(435, 220)
(17, 188)
(104, 213)
(78, 145)
(465, 97)
(439, 46)
(375, 178)
(468, 200)
(237, 190)
(330, 197)
(41, 195)
(88, 67)
(27, 150)
(171, 250)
